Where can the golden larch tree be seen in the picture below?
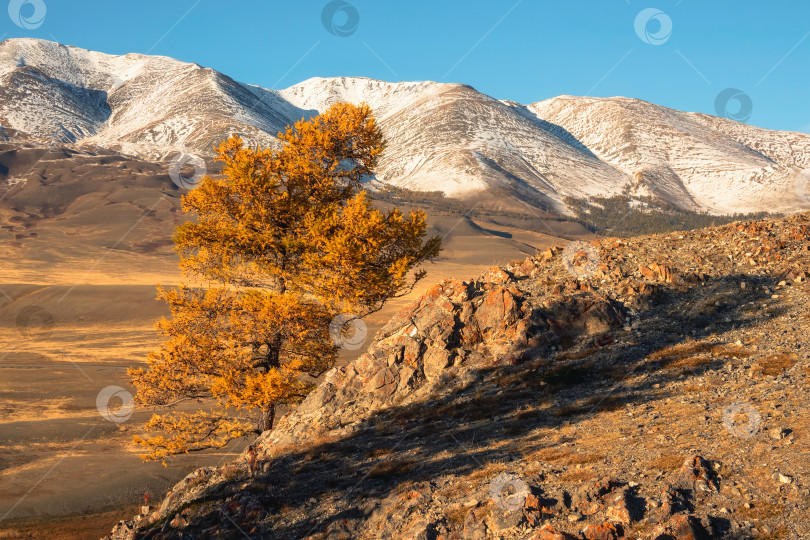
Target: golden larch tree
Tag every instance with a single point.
(284, 240)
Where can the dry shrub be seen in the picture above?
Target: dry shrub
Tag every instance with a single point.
(774, 364)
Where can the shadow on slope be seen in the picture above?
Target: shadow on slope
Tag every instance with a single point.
(462, 430)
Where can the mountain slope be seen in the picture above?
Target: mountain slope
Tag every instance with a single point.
(441, 137)
(642, 393)
(450, 137)
(149, 106)
(686, 158)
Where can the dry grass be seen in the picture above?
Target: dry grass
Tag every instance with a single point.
(712, 380)
(667, 462)
(595, 404)
(394, 467)
(694, 355)
(563, 456)
(74, 527)
(571, 409)
(488, 472)
(529, 414)
(315, 448)
(578, 475)
(483, 407)
(563, 376)
(760, 509)
(576, 355)
(683, 351)
(515, 428)
(779, 533)
(774, 364)
(686, 366)
(455, 515)
(347, 473)
(607, 404)
(680, 351)
(229, 472)
(734, 351)
(505, 379)
(618, 373)
(692, 362)
(551, 453)
(582, 459)
(379, 452)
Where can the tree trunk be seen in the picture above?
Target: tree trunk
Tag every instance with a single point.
(267, 419)
(271, 361)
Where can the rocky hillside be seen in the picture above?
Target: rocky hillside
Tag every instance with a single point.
(655, 387)
(441, 137)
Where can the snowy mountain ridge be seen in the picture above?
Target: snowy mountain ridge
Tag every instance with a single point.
(441, 136)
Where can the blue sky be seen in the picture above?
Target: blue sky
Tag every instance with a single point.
(687, 53)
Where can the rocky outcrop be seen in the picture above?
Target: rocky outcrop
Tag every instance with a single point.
(454, 327)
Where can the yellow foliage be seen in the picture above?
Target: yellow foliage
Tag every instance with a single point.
(284, 240)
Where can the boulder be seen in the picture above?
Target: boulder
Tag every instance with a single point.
(696, 474)
(682, 527)
(547, 532)
(605, 531)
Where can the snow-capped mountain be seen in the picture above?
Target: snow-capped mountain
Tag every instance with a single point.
(446, 137)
